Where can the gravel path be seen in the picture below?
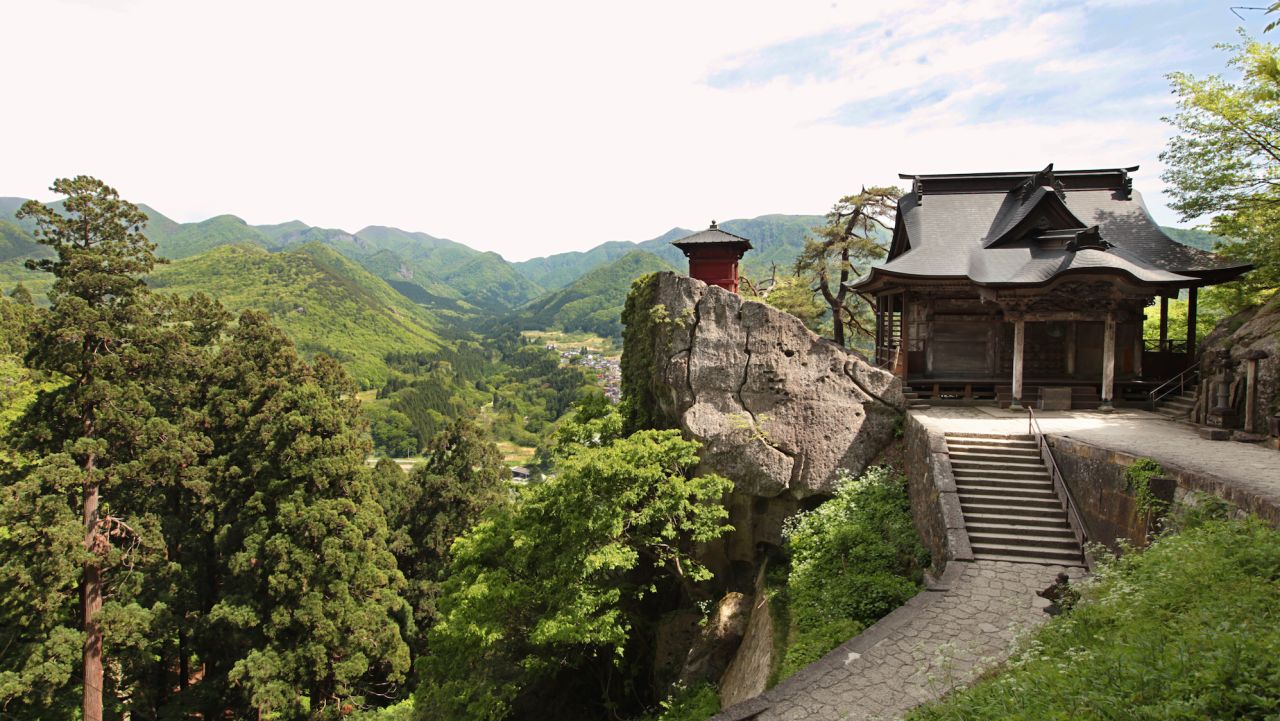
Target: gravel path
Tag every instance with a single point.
(942, 638)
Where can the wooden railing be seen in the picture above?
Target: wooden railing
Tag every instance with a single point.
(1060, 486)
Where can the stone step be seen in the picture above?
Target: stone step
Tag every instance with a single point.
(1047, 561)
(1040, 474)
(1187, 403)
(1043, 484)
(968, 437)
(989, 500)
(1007, 551)
(1028, 515)
(966, 463)
(1022, 449)
(980, 453)
(1001, 455)
(1018, 527)
(1062, 543)
(1034, 519)
(1007, 491)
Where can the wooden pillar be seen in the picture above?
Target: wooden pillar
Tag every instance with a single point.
(1071, 349)
(1108, 362)
(904, 344)
(879, 352)
(1191, 325)
(1138, 346)
(1019, 334)
(1164, 324)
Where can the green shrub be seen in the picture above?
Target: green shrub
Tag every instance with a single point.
(853, 559)
(1188, 629)
(402, 711)
(698, 703)
(1138, 478)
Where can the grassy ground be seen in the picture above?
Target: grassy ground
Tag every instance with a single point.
(514, 454)
(1188, 629)
(607, 347)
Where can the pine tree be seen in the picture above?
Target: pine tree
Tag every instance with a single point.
(311, 605)
(844, 248)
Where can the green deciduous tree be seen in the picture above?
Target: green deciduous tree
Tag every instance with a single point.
(843, 249)
(20, 294)
(463, 476)
(543, 597)
(1225, 160)
(791, 294)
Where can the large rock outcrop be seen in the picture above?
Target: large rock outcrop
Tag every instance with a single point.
(777, 409)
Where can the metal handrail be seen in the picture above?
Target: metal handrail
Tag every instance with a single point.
(1059, 483)
(1178, 383)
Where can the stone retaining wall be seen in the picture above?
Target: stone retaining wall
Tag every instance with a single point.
(935, 504)
(1108, 507)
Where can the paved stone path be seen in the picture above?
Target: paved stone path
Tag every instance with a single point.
(1252, 468)
(942, 638)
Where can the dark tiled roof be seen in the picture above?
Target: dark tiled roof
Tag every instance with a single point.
(711, 236)
(989, 229)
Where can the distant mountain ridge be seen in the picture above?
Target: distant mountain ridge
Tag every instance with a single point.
(574, 290)
(776, 239)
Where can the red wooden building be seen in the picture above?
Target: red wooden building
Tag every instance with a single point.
(713, 256)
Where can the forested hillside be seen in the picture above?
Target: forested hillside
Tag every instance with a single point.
(593, 303)
(325, 302)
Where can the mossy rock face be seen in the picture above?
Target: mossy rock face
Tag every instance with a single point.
(1251, 332)
(777, 409)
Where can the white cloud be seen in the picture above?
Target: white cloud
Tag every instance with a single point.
(532, 128)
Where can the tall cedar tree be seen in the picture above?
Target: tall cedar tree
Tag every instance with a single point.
(844, 248)
(311, 603)
(104, 437)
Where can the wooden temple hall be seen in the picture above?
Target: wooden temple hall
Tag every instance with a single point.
(1023, 288)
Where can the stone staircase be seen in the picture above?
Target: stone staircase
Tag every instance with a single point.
(1010, 508)
(1178, 407)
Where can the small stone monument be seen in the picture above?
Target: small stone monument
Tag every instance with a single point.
(1221, 413)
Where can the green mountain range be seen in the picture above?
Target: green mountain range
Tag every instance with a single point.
(360, 295)
(593, 302)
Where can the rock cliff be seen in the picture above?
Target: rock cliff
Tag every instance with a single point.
(1253, 333)
(777, 409)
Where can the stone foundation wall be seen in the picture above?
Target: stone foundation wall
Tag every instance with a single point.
(1108, 507)
(935, 505)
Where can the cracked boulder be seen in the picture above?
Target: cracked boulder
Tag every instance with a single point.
(778, 410)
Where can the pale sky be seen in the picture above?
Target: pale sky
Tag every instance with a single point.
(530, 128)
